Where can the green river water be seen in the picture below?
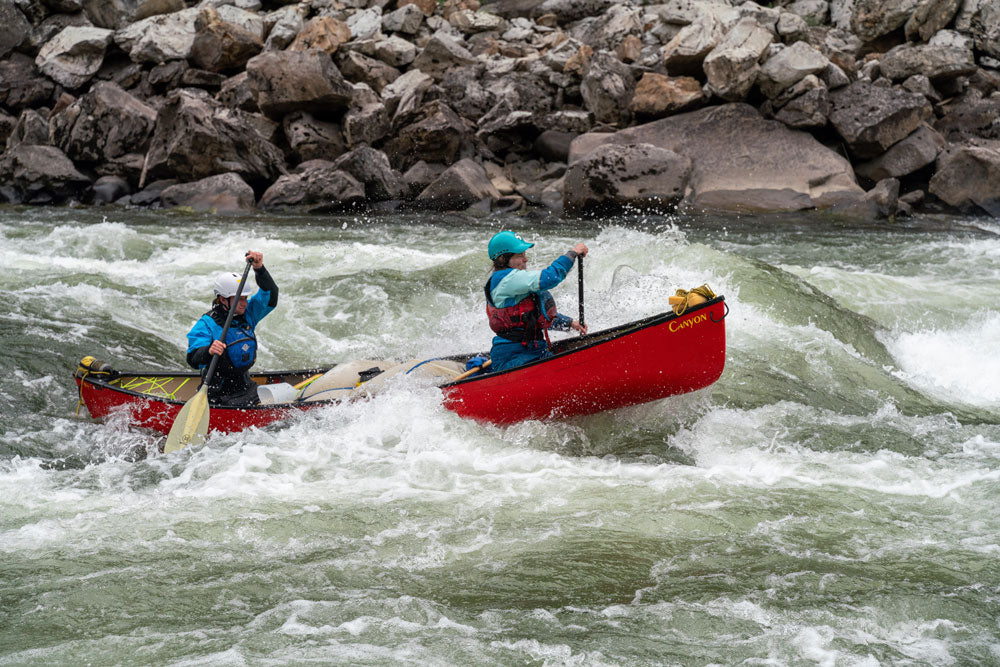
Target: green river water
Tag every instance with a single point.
(832, 500)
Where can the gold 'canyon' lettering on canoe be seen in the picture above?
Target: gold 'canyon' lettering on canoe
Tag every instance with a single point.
(697, 319)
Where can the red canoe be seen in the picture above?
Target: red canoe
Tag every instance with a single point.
(634, 363)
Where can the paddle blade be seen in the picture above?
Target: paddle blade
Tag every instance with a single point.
(191, 425)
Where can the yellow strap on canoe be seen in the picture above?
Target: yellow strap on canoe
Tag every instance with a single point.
(692, 297)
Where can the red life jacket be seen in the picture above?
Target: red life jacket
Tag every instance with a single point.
(525, 321)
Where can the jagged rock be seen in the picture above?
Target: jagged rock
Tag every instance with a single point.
(324, 33)
(657, 95)
(616, 177)
(297, 81)
(420, 175)
(937, 63)
(315, 183)
(809, 110)
(871, 19)
(984, 24)
(14, 28)
(405, 94)
(235, 93)
(914, 152)
(365, 23)
(371, 167)
(160, 38)
(607, 88)
(40, 174)
(221, 193)
(115, 14)
(970, 118)
(366, 123)
(685, 53)
(312, 139)
(220, 45)
(732, 66)
(567, 11)
(103, 124)
(882, 201)
(606, 31)
(7, 123)
(871, 118)
(505, 130)
(929, 17)
(426, 7)
(968, 177)
(283, 25)
(20, 84)
(72, 57)
(918, 83)
(741, 161)
(107, 189)
(31, 128)
(50, 27)
(196, 137)
(441, 54)
(812, 12)
(470, 22)
(792, 27)
(434, 133)
(360, 68)
(407, 20)
(788, 67)
(460, 186)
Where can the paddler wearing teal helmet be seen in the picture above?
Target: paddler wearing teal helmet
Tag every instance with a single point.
(519, 307)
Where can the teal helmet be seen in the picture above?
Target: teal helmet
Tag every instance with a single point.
(506, 242)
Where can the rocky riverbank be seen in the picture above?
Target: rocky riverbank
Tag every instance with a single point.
(868, 108)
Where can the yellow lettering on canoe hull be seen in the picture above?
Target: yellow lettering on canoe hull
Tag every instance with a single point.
(676, 326)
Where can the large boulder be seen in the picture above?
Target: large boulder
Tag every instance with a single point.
(316, 183)
(160, 38)
(732, 66)
(73, 56)
(968, 177)
(196, 137)
(284, 81)
(116, 14)
(433, 133)
(741, 161)
(937, 63)
(607, 88)
(914, 152)
(871, 118)
(371, 167)
(221, 193)
(21, 85)
(14, 28)
(105, 123)
(40, 175)
(220, 45)
(460, 186)
(616, 177)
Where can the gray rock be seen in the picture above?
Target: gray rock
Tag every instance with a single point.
(316, 184)
(685, 53)
(41, 174)
(937, 63)
(607, 88)
(968, 177)
(732, 66)
(222, 193)
(105, 123)
(606, 31)
(220, 45)
(159, 38)
(72, 57)
(107, 189)
(20, 84)
(788, 67)
(433, 133)
(871, 118)
(371, 167)
(196, 137)
(871, 19)
(407, 20)
(741, 161)
(441, 54)
(31, 128)
(914, 152)
(929, 17)
(616, 177)
(807, 111)
(971, 118)
(14, 27)
(311, 139)
(287, 81)
(463, 184)
(116, 14)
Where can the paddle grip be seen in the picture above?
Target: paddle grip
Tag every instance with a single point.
(229, 320)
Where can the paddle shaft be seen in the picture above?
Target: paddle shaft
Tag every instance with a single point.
(472, 371)
(579, 274)
(229, 320)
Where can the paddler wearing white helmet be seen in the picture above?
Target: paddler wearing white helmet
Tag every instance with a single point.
(231, 385)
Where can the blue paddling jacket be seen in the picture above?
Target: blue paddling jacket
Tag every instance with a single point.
(232, 376)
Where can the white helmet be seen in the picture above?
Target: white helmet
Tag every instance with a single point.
(226, 284)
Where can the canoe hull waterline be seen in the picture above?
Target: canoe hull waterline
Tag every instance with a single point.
(647, 360)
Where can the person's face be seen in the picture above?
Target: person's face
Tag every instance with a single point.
(518, 261)
(240, 307)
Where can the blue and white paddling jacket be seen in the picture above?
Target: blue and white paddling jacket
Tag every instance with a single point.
(231, 374)
(508, 287)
